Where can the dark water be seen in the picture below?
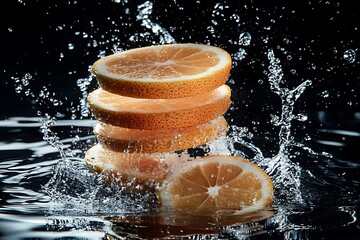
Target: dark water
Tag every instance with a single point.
(47, 192)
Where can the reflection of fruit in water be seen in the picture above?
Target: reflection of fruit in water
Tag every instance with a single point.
(172, 224)
(217, 182)
(156, 114)
(165, 140)
(164, 71)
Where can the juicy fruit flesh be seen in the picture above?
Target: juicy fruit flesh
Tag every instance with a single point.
(114, 132)
(171, 62)
(142, 167)
(163, 140)
(164, 71)
(159, 105)
(215, 186)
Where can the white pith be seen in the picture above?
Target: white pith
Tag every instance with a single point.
(213, 191)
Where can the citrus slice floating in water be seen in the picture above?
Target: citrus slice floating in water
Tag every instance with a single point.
(217, 182)
(165, 140)
(146, 169)
(156, 114)
(164, 71)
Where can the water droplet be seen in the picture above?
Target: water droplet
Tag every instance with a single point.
(349, 56)
(286, 40)
(250, 135)
(70, 46)
(27, 92)
(267, 28)
(18, 89)
(235, 17)
(238, 56)
(25, 80)
(245, 39)
(301, 117)
(211, 29)
(275, 120)
(325, 94)
(56, 102)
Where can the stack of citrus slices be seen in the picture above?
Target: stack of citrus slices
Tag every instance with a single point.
(156, 100)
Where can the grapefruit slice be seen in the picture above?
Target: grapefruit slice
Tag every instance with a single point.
(156, 114)
(217, 182)
(138, 168)
(138, 140)
(164, 71)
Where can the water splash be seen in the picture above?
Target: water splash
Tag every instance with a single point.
(286, 174)
(75, 190)
(145, 11)
(83, 84)
(69, 185)
(46, 122)
(72, 181)
(288, 99)
(238, 56)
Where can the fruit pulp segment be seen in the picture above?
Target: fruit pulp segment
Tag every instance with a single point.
(215, 185)
(162, 63)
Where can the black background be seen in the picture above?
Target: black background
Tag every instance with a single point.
(35, 34)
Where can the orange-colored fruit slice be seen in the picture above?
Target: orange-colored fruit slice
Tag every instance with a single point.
(156, 114)
(217, 183)
(164, 71)
(165, 140)
(139, 168)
